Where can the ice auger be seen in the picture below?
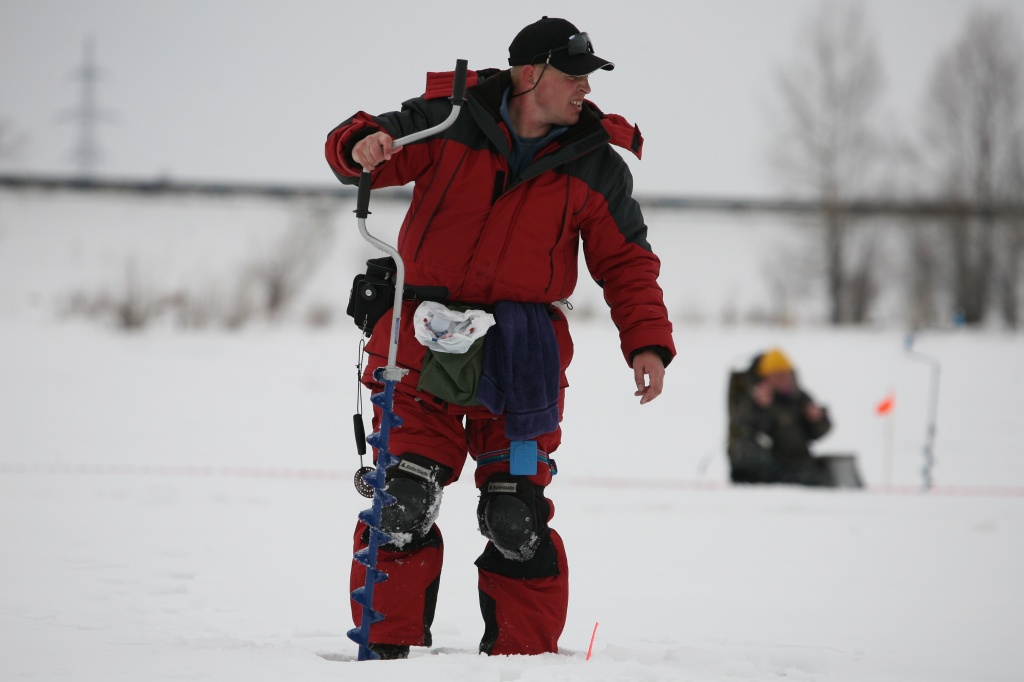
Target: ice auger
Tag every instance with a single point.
(389, 376)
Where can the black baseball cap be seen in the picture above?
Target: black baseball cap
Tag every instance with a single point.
(559, 43)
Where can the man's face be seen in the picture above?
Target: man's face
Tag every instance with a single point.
(783, 383)
(560, 97)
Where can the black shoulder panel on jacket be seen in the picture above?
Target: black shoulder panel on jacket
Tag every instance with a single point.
(606, 173)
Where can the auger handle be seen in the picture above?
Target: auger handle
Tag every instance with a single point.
(363, 196)
(458, 97)
(363, 206)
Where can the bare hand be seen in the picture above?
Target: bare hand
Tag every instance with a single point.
(813, 413)
(373, 150)
(648, 364)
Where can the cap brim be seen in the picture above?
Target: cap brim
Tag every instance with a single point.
(580, 64)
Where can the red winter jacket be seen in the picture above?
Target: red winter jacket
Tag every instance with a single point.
(489, 237)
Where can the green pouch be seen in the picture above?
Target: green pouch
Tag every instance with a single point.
(453, 377)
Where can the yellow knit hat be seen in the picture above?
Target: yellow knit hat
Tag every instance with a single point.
(773, 362)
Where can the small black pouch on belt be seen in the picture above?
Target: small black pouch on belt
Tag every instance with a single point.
(373, 293)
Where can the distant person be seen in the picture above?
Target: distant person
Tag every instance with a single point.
(772, 423)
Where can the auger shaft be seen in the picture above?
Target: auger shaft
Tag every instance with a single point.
(389, 376)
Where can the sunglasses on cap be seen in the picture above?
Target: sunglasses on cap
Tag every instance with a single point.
(578, 43)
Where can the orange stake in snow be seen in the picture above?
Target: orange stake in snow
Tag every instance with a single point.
(590, 649)
(884, 409)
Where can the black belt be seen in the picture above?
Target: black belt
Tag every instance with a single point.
(411, 292)
(440, 295)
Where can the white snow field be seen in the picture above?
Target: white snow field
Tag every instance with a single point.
(178, 505)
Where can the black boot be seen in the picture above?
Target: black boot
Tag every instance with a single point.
(390, 652)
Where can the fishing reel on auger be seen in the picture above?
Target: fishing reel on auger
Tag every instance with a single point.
(365, 477)
(363, 487)
(370, 481)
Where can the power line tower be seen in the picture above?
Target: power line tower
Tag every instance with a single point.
(87, 114)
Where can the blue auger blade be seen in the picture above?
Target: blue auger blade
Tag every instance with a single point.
(393, 420)
(386, 500)
(380, 536)
(374, 439)
(369, 518)
(384, 459)
(359, 597)
(375, 576)
(363, 596)
(372, 616)
(380, 400)
(371, 478)
(358, 636)
(363, 557)
(362, 639)
(365, 600)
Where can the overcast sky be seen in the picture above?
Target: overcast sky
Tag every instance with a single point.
(247, 89)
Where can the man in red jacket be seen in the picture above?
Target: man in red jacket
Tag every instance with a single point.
(501, 202)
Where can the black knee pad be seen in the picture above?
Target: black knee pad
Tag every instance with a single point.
(513, 515)
(416, 484)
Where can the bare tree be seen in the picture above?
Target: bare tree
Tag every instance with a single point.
(828, 144)
(1011, 269)
(278, 277)
(973, 124)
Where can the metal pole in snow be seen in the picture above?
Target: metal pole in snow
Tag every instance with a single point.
(933, 406)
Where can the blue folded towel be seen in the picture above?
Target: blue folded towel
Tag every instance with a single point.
(521, 370)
